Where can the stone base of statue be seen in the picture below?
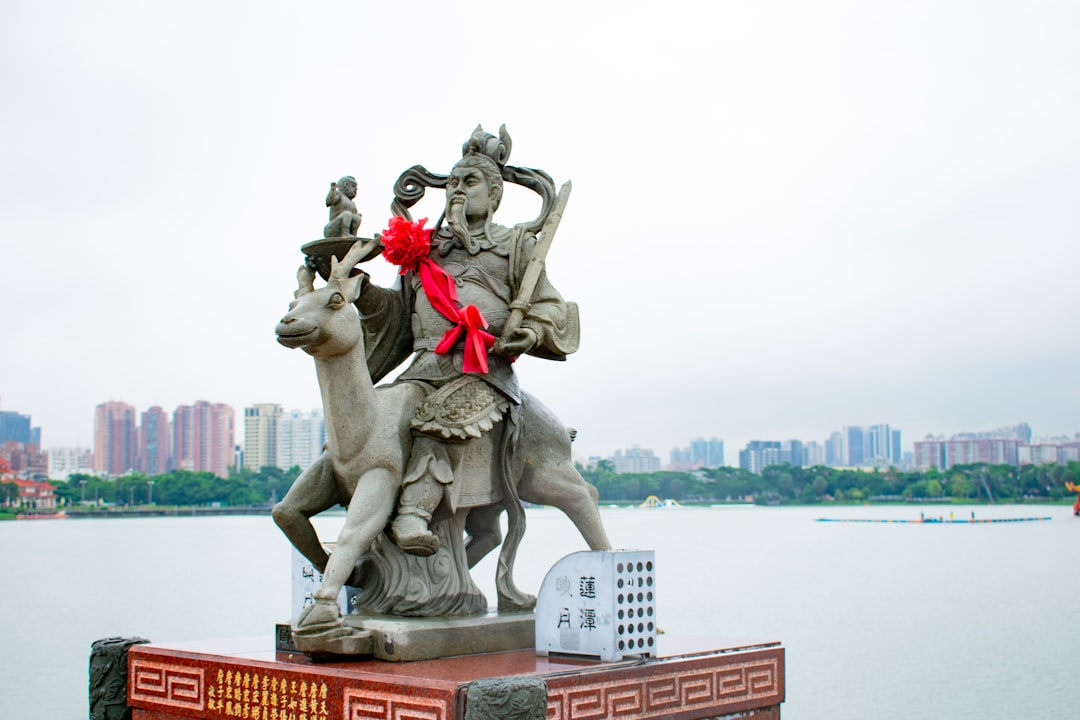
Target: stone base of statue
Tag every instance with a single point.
(394, 638)
(690, 677)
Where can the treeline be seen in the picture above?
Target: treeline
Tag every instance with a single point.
(179, 487)
(787, 484)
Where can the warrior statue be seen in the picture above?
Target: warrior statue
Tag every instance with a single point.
(439, 453)
(487, 263)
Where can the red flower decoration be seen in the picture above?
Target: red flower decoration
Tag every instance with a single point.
(406, 243)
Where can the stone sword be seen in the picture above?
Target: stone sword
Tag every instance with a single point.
(521, 304)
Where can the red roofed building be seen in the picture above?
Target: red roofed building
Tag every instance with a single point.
(35, 495)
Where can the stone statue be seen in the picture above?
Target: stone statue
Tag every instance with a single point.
(344, 219)
(442, 451)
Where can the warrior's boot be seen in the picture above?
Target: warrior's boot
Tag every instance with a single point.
(411, 532)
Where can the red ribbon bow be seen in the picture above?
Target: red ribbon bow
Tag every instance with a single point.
(407, 245)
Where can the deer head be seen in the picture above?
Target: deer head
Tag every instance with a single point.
(324, 322)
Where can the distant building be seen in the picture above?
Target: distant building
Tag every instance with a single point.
(834, 450)
(814, 453)
(204, 437)
(115, 447)
(793, 453)
(994, 447)
(260, 435)
(856, 446)
(680, 459)
(864, 446)
(67, 461)
(14, 426)
(707, 453)
(635, 460)
(1047, 452)
(154, 442)
(26, 459)
(35, 495)
(701, 453)
(300, 438)
(759, 454)
(959, 450)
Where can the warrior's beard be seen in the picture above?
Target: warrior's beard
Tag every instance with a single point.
(459, 226)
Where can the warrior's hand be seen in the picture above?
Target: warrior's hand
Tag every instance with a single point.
(519, 342)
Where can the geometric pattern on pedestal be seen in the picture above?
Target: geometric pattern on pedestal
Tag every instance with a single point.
(373, 704)
(178, 686)
(661, 695)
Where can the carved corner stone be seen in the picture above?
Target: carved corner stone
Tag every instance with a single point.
(511, 698)
(108, 677)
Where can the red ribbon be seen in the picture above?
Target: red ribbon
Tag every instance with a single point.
(407, 244)
(477, 340)
(442, 294)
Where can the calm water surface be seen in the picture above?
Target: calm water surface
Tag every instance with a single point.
(879, 620)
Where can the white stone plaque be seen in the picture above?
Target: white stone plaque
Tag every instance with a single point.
(601, 604)
(306, 580)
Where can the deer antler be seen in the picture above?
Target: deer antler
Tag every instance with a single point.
(359, 250)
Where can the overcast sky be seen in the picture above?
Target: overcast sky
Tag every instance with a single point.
(786, 217)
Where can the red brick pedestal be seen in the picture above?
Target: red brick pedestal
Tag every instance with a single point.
(692, 677)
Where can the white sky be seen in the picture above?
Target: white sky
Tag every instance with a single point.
(787, 217)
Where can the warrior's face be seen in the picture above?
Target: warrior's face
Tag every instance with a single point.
(469, 196)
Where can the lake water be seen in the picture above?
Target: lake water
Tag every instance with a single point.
(879, 620)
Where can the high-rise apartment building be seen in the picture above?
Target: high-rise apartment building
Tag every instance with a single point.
(965, 450)
(154, 442)
(66, 461)
(793, 453)
(701, 453)
(856, 446)
(834, 450)
(635, 460)
(300, 438)
(994, 447)
(680, 459)
(707, 453)
(203, 437)
(861, 446)
(260, 435)
(759, 454)
(115, 447)
(14, 426)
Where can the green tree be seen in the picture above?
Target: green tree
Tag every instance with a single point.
(9, 493)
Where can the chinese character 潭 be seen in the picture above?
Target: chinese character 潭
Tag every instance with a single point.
(588, 619)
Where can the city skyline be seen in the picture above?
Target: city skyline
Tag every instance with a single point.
(785, 218)
(272, 436)
(732, 442)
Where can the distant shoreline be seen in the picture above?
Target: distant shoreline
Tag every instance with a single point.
(112, 513)
(79, 514)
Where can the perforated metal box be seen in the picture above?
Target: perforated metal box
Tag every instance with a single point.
(600, 604)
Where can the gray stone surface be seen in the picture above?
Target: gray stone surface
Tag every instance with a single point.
(510, 698)
(108, 677)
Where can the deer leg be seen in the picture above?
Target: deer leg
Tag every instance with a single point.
(369, 510)
(311, 493)
(482, 526)
(563, 487)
